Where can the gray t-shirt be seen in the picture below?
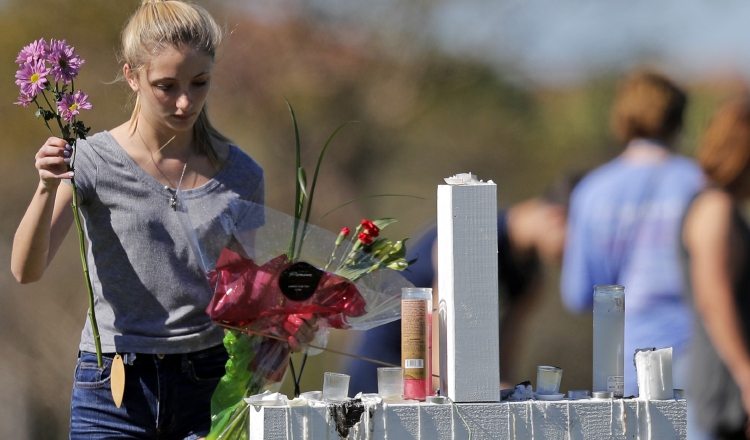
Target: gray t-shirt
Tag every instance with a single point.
(150, 292)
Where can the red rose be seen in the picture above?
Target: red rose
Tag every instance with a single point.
(365, 238)
(370, 228)
(344, 232)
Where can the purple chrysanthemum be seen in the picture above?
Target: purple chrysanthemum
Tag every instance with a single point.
(65, 63)
(70, 105)
(32, 77)
(24, 100)
(35, 51)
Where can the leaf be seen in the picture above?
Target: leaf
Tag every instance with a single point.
(80, 130)
(378, 245)
(46, 114)
(381, 223)
(297, 200)
(302, 182)
(317, 167)
(399, 264)
(399, 249)
(315, 181)
(354, 271)
(366, 197)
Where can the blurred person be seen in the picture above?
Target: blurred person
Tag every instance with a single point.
(716, 257)
(150, 292)
(529, 233)
(624, 223)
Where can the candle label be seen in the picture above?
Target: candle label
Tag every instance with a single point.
(616, 384)
(414, 348)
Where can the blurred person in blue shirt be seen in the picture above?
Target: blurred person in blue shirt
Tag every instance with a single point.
(624, 223)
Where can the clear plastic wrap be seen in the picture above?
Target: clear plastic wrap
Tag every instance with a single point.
(263, 288)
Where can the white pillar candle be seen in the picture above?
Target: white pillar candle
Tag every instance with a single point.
(654, 369)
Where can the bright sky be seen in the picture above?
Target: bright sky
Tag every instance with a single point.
(564, 40)
(568, 38)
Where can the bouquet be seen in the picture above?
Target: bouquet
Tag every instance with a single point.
(271, 272)
(46, 79)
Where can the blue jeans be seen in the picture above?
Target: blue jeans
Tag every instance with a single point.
(166, 396)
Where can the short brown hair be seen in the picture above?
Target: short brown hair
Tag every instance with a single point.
(648, 105)
(725, 151)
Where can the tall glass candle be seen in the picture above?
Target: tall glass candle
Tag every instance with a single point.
(416, 342)
(609, 339)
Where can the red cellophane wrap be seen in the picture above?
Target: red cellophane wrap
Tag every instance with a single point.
(248, 296)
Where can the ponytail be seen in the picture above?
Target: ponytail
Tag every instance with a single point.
(171, 23)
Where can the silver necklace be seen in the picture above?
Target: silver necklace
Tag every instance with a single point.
(173, 197)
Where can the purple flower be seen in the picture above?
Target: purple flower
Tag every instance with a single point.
(32, 77)
(65, 63)
(70, 105)
(24, 99)
(35, 51)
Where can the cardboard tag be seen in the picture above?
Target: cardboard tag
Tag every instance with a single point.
(117, 380)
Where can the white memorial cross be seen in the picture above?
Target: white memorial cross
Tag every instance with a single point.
(468, 289)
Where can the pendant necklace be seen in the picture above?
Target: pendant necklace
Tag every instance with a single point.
(173, 198)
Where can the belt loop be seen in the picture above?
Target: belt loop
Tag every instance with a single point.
(128, 358)
(185, 363)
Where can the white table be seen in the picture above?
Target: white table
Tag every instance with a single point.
(580, 419)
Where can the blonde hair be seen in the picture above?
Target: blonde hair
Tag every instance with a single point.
(724, 153)
(158, 24)
(648, 105)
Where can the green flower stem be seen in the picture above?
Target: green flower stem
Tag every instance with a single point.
(57, 114)
(82, 248)
(354, 244)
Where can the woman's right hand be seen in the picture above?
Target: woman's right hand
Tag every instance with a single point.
(49, 215)
(52, 162)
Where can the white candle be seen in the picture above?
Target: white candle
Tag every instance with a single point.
(654, 369)
(609, 339)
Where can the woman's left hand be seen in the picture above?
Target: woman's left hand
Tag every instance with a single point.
(302, 328)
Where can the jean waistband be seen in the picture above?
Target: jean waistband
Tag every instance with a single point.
(131, 357)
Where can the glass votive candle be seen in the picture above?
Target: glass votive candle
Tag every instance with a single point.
(548, 379)
(578, 394)
(391, 383)
(312, 395)
(335, 387)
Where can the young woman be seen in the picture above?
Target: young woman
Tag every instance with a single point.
(624, 222)
(716, 255)
(150, 292)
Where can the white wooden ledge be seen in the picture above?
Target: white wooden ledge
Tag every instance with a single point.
(564, 420)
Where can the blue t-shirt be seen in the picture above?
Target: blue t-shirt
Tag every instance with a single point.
(624, 228)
